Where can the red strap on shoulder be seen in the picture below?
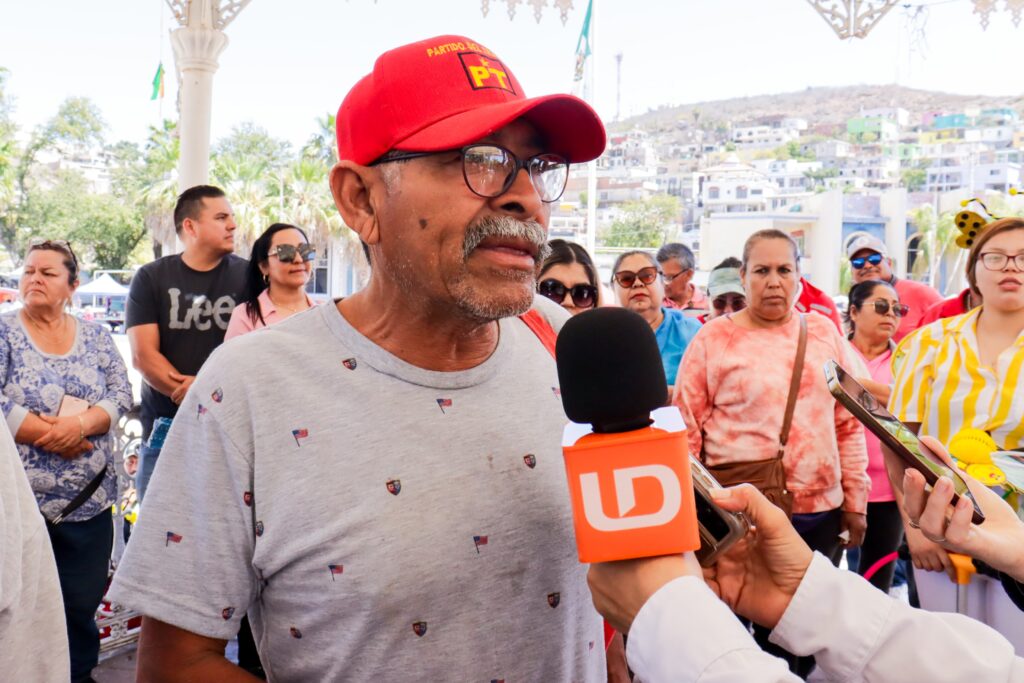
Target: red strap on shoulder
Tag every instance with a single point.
(539, 325)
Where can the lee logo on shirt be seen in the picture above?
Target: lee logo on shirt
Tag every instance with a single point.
(201, 314)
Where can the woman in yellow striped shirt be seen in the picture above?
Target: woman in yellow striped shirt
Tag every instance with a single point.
(968, 371)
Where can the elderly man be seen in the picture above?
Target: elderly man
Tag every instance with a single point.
(379, 482)
(869, 260)
(677, 263)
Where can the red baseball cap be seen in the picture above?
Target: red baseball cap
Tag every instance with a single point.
(449, 91)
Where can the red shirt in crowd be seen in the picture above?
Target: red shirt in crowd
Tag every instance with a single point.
(947, 308)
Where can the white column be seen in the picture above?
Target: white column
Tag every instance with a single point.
(195, 53)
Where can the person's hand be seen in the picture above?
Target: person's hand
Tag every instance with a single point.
(76, 451)
(758, 576)
(64, 432)
(185, 381)
(619, 589)
(926, 555)
(998, 541)
(855, 523)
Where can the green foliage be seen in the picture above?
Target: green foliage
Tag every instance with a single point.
(644, 224)
(914, 178)
(938, 233)
(730, 146)
(818, 176)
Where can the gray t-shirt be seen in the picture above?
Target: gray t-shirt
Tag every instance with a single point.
(379, 521)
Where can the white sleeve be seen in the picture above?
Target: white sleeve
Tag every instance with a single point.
(33, 635)
(858, 633)
(189, 562)
(684, 633)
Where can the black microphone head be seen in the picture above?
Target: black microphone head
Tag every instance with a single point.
(610, 370)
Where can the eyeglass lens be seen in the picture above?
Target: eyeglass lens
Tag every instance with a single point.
(627, 278)
(490, 171)
(994, 260)
(882, 307)
(286, 252)
(873, 259)
(736, 303)
(583, 296)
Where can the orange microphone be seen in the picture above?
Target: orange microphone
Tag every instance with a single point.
(626, 456)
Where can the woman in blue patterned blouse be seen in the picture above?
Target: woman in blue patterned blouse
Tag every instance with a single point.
(65, 386)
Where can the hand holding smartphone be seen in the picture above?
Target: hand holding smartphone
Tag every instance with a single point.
(894, 434)
(719, 529)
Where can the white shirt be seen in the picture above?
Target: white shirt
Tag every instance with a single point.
(857, 634)
(33, 635)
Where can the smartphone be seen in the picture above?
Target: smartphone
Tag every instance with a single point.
(719, 529)
(894, 434)
(71, 406)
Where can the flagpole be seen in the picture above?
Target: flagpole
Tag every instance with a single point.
(591, 97)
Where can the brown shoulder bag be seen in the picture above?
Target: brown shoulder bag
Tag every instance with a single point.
(769, 476)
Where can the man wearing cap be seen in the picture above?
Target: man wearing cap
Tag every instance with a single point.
(404, 515)
(869, 260)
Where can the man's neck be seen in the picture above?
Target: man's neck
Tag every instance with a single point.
(428, 336)
(201, 259)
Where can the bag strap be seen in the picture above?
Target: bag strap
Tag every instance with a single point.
(794, 384)
(539, 325)
(83, 495)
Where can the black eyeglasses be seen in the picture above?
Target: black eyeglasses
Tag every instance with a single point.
(286, 252)
(667, 279)
(994, 260)
(54, 245)
(626, 278)
(583, 296)
(882, 308)
(490, 170)
(859, 261)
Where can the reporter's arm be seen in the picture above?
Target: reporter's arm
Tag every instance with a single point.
(685, 633)
(168, 654)
(857, 633)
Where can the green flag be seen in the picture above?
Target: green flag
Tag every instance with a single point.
(583, 44)
(158, 83)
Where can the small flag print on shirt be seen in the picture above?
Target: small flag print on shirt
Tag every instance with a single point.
(300, 434)
(443, 403)
(336, 569)
(172, 538)
(203, 410)
(479, 541)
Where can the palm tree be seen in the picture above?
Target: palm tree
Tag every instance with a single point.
(159, 183)
(937, 241)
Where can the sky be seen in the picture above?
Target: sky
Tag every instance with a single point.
(291, 61)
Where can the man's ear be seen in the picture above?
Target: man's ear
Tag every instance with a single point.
(350, 187)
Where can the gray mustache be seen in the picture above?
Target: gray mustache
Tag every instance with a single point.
(506, 226)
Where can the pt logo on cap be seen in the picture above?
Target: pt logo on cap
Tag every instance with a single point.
(485, 72)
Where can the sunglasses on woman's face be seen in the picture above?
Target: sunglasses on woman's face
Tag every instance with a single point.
(859, 261)
(882, 308)
(583, 296)
(626, 278)
(737, 302)
(286, 252)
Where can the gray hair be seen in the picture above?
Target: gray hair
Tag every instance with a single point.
(679, 252)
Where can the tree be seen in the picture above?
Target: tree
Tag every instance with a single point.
(914, 178)
(937, 240)
(9, 154)
(818, 176)
(321, 144)
(644, 224)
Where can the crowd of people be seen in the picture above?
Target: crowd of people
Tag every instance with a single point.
(404, 515)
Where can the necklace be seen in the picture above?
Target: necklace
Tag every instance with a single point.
(287, 308)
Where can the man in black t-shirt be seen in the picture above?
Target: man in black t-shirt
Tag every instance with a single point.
(178, 310)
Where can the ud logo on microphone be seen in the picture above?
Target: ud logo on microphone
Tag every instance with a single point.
(625, 493)
(623, 510)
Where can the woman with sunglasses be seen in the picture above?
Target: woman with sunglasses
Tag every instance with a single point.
(568, 277)
(275, 283)
(873, 316)
(65, 386)
(637, 282)
(966, 372)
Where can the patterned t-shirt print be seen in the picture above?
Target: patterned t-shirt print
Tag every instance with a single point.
(394, 486)
(227, 613)
(443, 403)
(350, 363)
(172, 538)
(202, 410)
(298, 434)
(218, 395)
(530, 460)
(419, 628)
(479, 541)
(335, 569)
